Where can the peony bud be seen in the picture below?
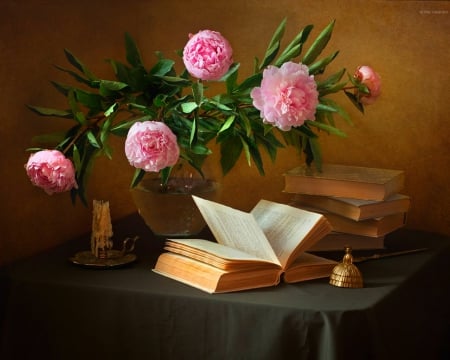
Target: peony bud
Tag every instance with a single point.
(51, 171)
(367, 76)
(207, 55)
(151, 146)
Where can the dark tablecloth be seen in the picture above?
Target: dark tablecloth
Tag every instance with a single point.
(53, 309)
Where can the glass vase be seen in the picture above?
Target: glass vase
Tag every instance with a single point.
(169, 210)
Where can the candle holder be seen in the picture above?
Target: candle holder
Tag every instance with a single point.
(102, 254)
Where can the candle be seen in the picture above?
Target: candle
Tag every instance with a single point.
(101, 229)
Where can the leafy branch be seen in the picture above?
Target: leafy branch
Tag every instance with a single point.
(101, 108)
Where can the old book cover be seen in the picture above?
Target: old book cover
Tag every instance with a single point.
(345, 181)
(255, 249)
(356, 209)
(375, 227)
(335, 241)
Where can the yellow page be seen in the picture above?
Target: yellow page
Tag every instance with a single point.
(215, 254)
(236, 229)
(285, 227)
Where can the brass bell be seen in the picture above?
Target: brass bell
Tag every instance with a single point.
(346, 274)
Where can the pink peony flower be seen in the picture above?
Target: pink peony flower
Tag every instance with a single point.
(367, 76)
(151, 146)
(287, 97)
(51, 171)
(207, 55)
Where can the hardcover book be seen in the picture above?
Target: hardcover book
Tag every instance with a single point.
(356, 209)
(345, 181)
(252, 250)
(375, 227)
(335, 241)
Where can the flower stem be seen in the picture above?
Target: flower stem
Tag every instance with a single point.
(83, 131)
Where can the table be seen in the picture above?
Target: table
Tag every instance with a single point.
(53, 309)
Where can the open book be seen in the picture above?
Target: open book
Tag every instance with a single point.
(253, 250)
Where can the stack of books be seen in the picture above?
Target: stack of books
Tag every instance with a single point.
(362, 204)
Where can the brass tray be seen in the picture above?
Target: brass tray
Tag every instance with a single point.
(115, 258)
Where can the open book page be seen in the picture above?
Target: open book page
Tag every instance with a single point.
(236, 229)
(290, 230)
(307, 267)
(218, 255)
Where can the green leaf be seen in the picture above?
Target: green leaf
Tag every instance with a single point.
(294, 48)
(359, 85)
(292, 137)
(111, 109)
(331, 80)
(77, 114)
(247, 152)
(61, 88)
(319, 44)
(137, 177)
(218, 105)
(277, 36)
(79, 65)
(92, 140)
(87, 155)
(193, 134)
(76, 157)
(328, 128)
(162, 67)
(53, 138)
(245, 122)
(304, 130)
(106, 86)
(323, 107)
(68, 138)
(104, 129)
(43, 111)
(200, 149)
(231, 80)
(107, 150)
(317, 153)
(189, 107)
(249, 83)
(174, 80)
(319, 66)
(121, 129)
(286, 56)
(339, 109)
(132, 52)
(230, 150)
(274, 45)
(299, 39)
(355, 101)
(330, 89)
(75, 75)
(227, 124)
(91, 100)
(197, 92)
(232, 72)
(270, 143)
(271, 53)
(255, 155)
(159, 100)
(136, 77)
(165, 174)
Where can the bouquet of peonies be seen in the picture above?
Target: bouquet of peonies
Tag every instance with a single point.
(167, 116)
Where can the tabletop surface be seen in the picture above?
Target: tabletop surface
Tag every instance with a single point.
(313, 313)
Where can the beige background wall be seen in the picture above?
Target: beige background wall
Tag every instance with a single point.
(408, 128)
